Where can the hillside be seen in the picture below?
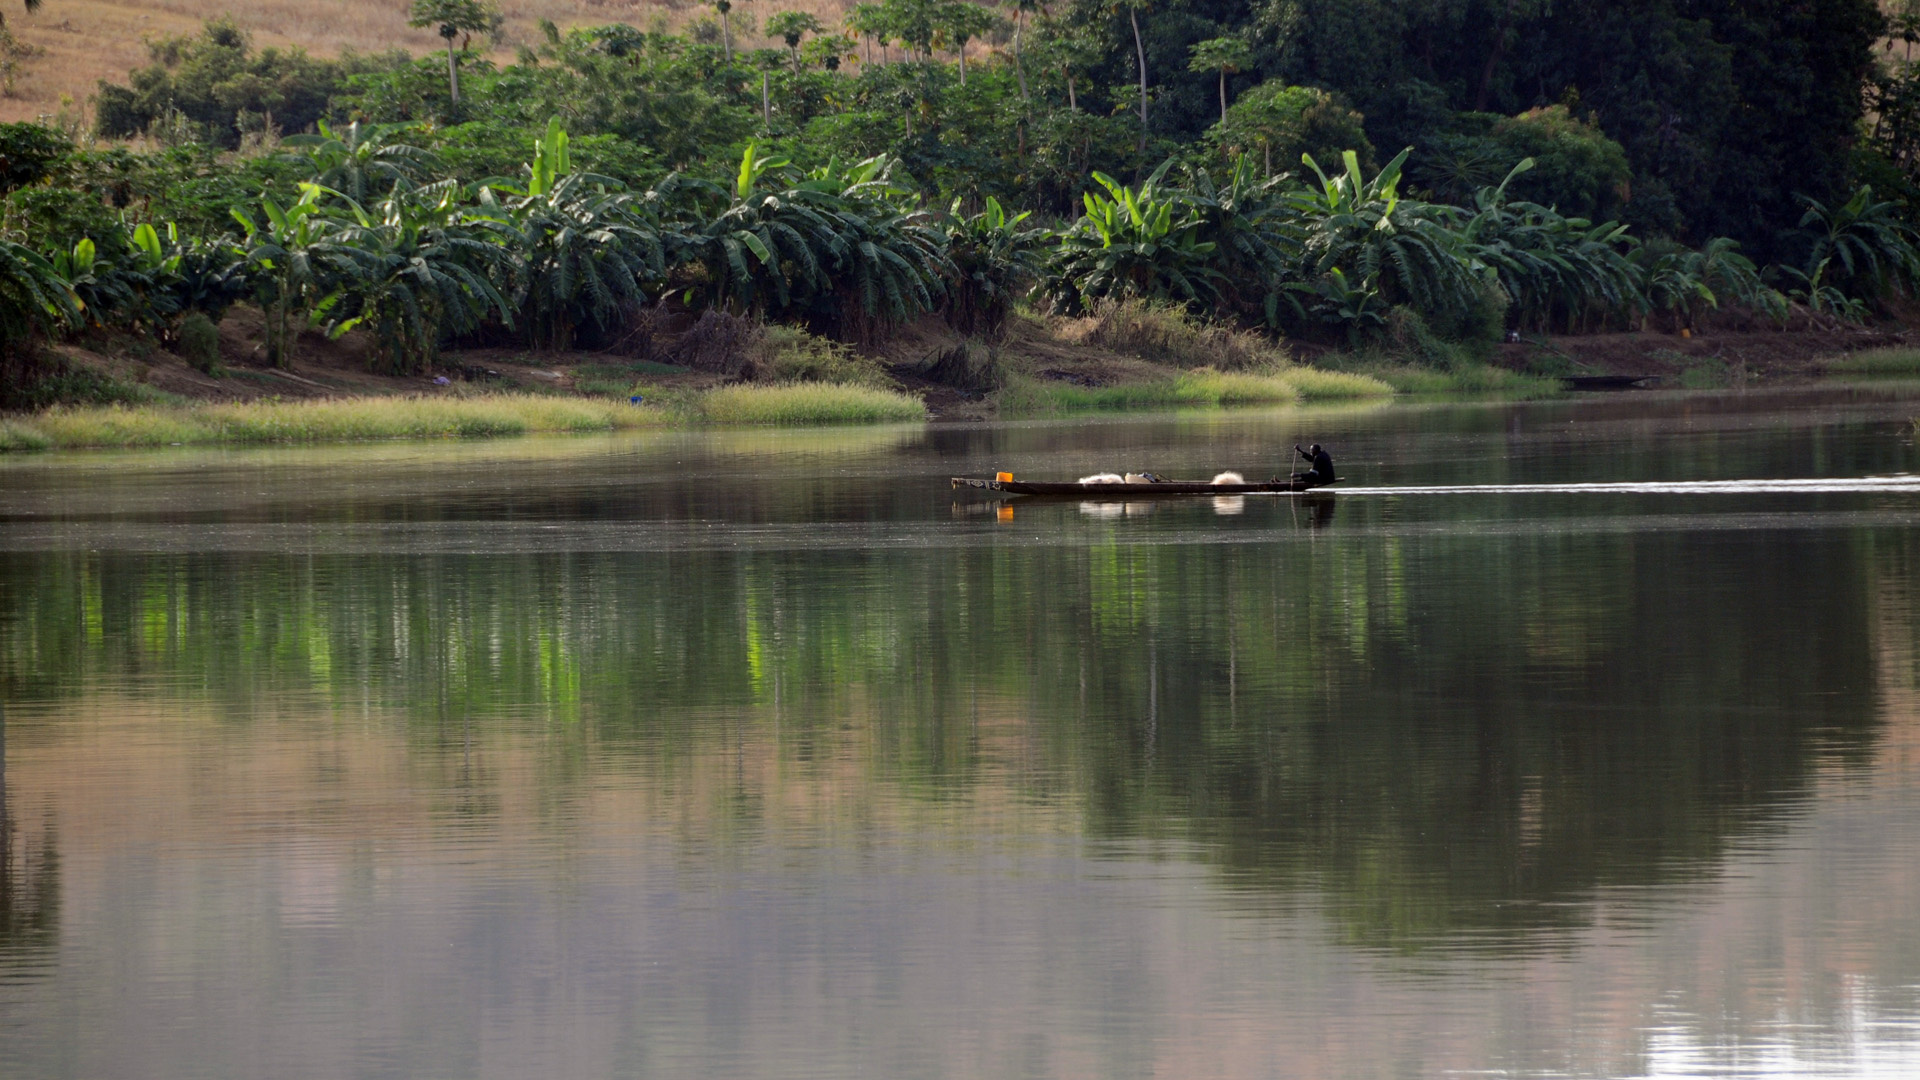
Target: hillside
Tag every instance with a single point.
(76, 43)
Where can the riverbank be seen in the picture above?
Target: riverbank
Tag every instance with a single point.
(1120, 357)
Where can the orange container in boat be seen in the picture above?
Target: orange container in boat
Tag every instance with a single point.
(1003, 477)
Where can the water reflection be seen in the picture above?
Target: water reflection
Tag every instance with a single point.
(1448, 734)
(1593, 784)
(29, 882)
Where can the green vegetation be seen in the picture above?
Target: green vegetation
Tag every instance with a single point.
(809, 403)
(1203, 388)
(1469, 379)
(1896, 360)
(320, 421)
(1216, 161)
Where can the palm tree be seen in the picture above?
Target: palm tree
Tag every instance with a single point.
(1020, 10)
(791, 26)
(1133, 9)
(960, 22)
(766, 60)
(726, 27)
(1224, 55)
(454, 18)
(867, 21)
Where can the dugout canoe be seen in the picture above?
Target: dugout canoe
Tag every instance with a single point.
(1072, 489)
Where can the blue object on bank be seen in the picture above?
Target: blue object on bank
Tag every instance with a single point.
(638, 399)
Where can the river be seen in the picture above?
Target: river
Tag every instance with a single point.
(1552, 745)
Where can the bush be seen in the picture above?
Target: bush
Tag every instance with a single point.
(54, 219)
(28, 153)
(214, 86)
(199, 343)
(1277, 123)
(789, 355)
(1165, 333)
(966, 365)
(1577, 169)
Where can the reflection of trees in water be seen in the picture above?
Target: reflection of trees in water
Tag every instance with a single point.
(1438, 733)
(29, 880)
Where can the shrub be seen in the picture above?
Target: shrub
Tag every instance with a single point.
(966, 365)
(1276, 123)
(1577, 170)
(1165, 333)
(28, 153)
(788, 354)
(215, 84)
(718, 341)
(199, 343)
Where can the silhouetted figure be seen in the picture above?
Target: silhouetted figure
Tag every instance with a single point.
(1321, 471)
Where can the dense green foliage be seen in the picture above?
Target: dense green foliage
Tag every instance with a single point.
(1568, 167)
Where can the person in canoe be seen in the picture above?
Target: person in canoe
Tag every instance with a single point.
(1320, 462)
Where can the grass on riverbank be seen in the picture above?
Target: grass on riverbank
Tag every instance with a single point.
(332, 420)
(807, 403)
(1474, 379)
(1203, 388)
(1889, 361)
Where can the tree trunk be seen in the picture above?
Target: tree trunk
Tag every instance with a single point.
(1140, 49)
(766, 104)
(1493, 58)
(726, 36)
(1073, 102)
(1223, 97)
(453, 74)
(963, 63)
(1019, 23)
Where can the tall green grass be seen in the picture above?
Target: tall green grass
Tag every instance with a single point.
(808, 403)
(1467, 379)
(1889, 361)
(1318, 384)
(336, 420)
(1283, 386)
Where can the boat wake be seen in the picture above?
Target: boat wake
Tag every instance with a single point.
(1903, 482)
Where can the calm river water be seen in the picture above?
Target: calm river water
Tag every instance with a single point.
(1549, 747)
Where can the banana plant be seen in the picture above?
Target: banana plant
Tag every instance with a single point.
(1141, 242)
(420, 271)
(1356, 307)
(1408, 251)
(34, 296)
(1861, 247)
(1684, 283)
(1257, 239)
(841, 243)
(993, 259)
(1559, 272)
(359, 160)
(294, 261)
(1821, 296)
(582, 248)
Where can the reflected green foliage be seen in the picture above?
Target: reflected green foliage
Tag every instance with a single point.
(1440, 730)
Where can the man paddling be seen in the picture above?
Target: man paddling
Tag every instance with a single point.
(1321, 471)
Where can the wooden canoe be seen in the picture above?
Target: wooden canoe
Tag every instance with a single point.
(1131, 491)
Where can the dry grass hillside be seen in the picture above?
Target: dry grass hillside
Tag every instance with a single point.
(76, 43)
